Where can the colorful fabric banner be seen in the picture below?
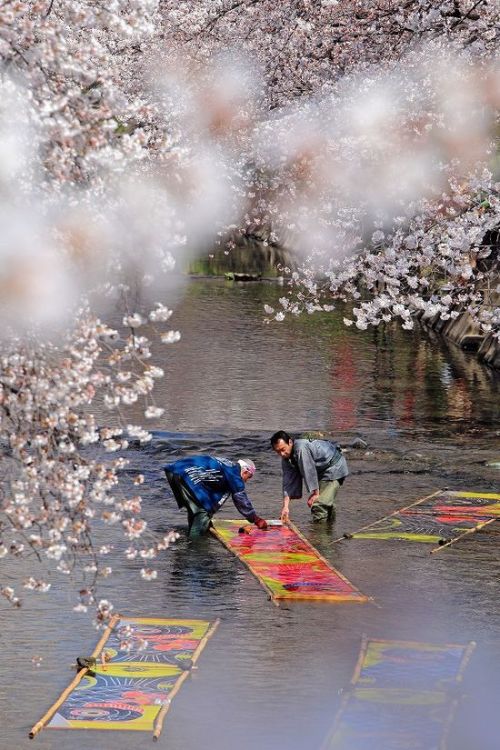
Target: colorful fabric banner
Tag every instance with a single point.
(440, 519)
(402, 696)
(148, 659)
(285, 563)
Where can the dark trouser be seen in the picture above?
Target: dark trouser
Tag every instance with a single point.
(323, 509)
(199, 519)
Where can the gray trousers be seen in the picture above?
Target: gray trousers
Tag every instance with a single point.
(199, 519)
(323, 509)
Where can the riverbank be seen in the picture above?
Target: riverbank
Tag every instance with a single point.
(253, 260)
(465, 333)
(461, 332)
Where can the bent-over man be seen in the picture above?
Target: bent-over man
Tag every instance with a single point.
(202, 484)
(319, 464)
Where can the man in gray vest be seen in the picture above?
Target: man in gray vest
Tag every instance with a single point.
(319, 464)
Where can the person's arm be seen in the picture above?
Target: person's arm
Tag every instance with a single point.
(292, 487)
(312, 497)
(292, 480)
(244, 506)
(242, 502)
(285, 510)
(307, 468)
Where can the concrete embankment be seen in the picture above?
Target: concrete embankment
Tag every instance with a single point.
(464, 332)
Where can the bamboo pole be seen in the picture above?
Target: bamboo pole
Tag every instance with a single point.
(384, 518)
(347, 693)
(361, 658)
(465, 533)
(455, 702)
(466, 659)
(164, 709)
(204, 640)
(266, 588)
(49, 714)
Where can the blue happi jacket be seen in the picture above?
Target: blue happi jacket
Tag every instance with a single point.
(212, 480)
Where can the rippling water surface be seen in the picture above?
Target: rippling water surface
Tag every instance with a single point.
(271, 677)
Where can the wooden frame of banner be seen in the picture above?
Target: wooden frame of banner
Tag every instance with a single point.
(277, 598)
(466, 532)
(347, 537)
(95, 653)
(346, 694)
(164, 710)
(158, 724)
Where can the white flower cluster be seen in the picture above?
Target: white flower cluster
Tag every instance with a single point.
(160, 314)
(422, 267)
(304, 48)
(56, 497)
(171, 337)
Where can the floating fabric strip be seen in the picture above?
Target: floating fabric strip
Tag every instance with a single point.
(440, 519)
(285, 563)
(402, 695)
(148, 661)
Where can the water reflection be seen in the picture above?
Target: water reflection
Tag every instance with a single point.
(231, 371)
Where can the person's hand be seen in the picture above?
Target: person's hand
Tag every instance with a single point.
(313, 497)
(260, 523)
(285, 515)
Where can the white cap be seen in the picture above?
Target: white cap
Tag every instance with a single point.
(247, 465)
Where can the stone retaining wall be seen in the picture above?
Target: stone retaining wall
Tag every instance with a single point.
(464, 332)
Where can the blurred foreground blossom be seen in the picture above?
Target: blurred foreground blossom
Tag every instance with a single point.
(393, 195)
(374, 117)
(323, 175)
(148, 574)
(56, 250)
(383, 140)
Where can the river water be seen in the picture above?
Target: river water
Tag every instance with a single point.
(271, 677)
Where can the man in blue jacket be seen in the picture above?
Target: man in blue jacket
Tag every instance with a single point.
(319, 464)
(202, 484)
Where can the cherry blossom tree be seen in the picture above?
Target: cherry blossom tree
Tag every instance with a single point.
(399, 206)
(376, 156)
(360, 135)
(75, 59)
(55, 489)
(98, 199)
(306, 46)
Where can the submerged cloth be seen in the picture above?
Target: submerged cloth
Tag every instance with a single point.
(209, 481)
(312, 462)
